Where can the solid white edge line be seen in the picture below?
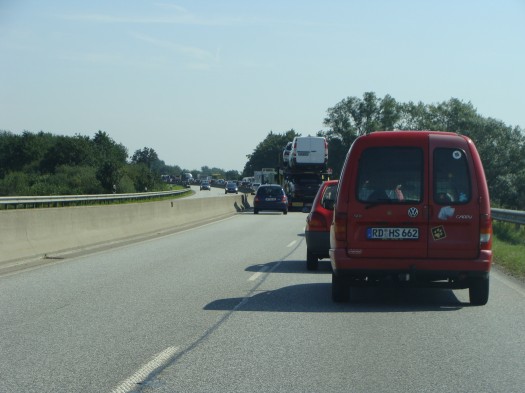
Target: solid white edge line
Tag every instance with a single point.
(255, 276)
(158, 360)
(500, 277)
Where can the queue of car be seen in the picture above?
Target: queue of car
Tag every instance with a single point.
(411, 208)
(229, 186)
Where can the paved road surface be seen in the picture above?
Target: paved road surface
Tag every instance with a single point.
(230, 307)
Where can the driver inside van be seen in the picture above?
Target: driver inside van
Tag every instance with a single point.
(380, 191)
(383, 192)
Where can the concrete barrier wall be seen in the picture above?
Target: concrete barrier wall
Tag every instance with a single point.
(32, 233)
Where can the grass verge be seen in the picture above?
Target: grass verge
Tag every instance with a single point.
(509, 248)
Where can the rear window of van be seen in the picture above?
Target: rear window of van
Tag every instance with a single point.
(452, 183)
(390, 175)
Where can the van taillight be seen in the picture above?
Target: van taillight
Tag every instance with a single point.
(485, 232)
(340, 220)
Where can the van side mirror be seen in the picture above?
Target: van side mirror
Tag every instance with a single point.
(328, 204)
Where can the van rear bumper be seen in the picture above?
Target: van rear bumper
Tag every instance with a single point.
(456, 271)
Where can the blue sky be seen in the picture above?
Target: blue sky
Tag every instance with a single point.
(203, 82)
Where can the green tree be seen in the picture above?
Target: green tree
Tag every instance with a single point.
(232, 175)
(206, 171)
(172, 170)
(76, 180)
(140, 176)
(66, 150)
(501, 147)
(336, 156)
(146, 169)
(353, 116)
(268, 153)
(15, 183)
(111, 159)
(23, 152)
(146, 156)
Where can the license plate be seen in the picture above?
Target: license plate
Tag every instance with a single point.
(271, 199)
(392, 233)
(303, 153)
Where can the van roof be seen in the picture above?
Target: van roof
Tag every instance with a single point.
(410, 133)
(403, 136)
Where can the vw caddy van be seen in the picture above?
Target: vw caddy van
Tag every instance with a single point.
(412, 208)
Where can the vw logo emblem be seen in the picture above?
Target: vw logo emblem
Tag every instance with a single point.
(413, 212)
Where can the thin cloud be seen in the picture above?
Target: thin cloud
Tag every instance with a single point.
(177, 15)
(170, 6)
(94, 58)
(181, 18)
(198, 59)
(191, 51)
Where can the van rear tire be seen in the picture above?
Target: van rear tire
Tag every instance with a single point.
(340, 289)
(479, 291)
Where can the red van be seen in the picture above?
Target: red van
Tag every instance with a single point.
(413, 208)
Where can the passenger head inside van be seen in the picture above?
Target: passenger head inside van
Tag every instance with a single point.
(391, 173)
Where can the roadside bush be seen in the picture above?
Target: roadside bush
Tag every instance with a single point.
(125, 185)
(78, 180)
(508, 233)
(15, 184)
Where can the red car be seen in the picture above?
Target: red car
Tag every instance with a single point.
(317, 231)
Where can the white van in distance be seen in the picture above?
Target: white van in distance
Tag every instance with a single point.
(309, 151)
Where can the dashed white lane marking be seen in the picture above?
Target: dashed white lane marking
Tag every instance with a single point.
(158, 361)
(292, 244)
(255, 276)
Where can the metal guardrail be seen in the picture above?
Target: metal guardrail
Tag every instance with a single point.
(64, 200)
(514, 216)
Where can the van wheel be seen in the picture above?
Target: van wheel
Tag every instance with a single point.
(312, 263)
(285, 211)
(255, 211)
(340, 289)
(479, 291)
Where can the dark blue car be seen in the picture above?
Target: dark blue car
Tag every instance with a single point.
(231, 187)
(270, 197)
